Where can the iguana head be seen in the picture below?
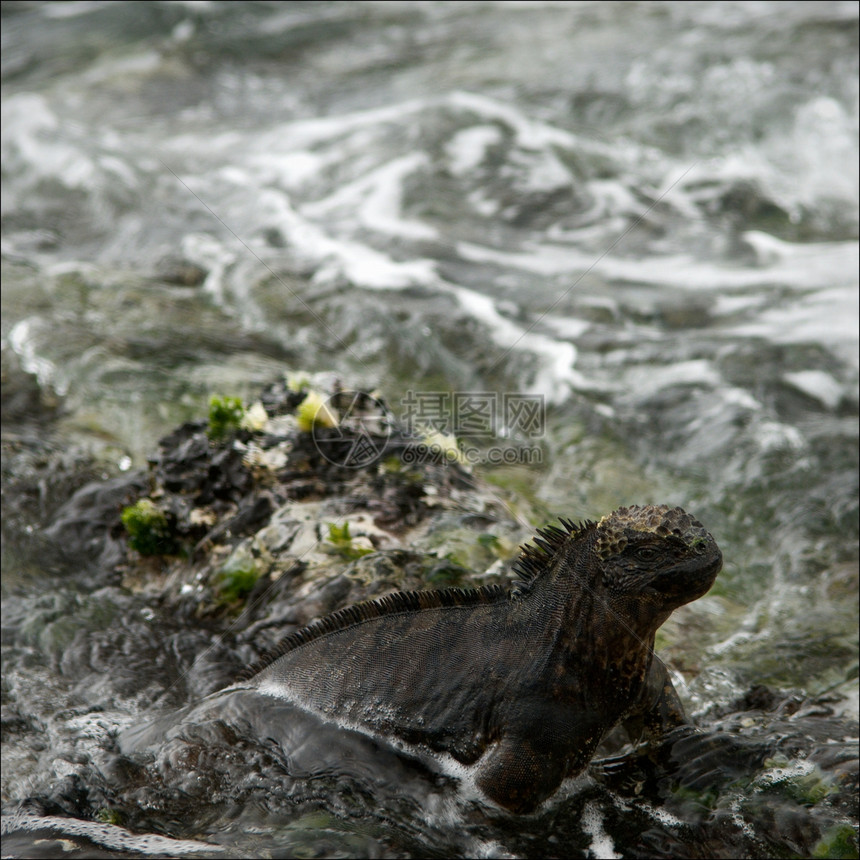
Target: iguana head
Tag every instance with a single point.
(656, 553)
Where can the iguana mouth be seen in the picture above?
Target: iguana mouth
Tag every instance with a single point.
(692, 578)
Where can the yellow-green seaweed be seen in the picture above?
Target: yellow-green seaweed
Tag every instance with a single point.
(314, 411)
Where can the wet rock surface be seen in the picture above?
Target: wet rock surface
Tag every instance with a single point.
(120, 740)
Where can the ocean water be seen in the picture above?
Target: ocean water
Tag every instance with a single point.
(644, 215)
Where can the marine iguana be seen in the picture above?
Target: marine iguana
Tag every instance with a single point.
(522, 684)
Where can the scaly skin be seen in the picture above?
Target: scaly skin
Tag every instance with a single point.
(522, 685)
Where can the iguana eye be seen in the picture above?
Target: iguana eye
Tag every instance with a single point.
(646, 553)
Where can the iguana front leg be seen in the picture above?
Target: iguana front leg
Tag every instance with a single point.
(658, 710)
(518, 773)
(657, 719)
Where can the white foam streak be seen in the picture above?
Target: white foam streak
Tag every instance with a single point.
(647, 380)
(468, 148)
(309, 133)
(814, 266)
(358, 263)
(817, 384)
(21, 341)
(556, 376)
(830, 317)
(531, 134)
(591, 822)
(544, 260)
(376, 199)
(36, 150)
(107, 835)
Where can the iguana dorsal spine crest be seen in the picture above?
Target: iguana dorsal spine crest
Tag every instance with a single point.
(534, 560)
(390, 604)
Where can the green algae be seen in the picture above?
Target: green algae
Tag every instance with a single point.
(109, 816)
(806, 788)
(225, 417)
(297, 381)
(148, 529)
(463, 547)
(237, 577)
(838, 843)
(341, 542)
(447, 573)
(489, 541)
